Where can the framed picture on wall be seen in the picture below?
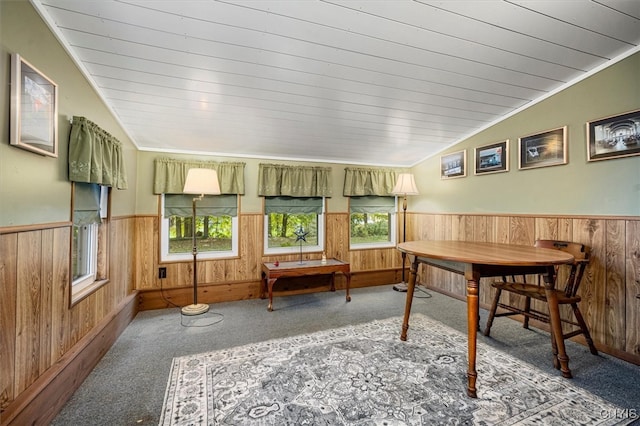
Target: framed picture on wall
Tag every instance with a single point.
(453, 165)
(493, 158)
(544, 149)
(614, 137)
(34, 109)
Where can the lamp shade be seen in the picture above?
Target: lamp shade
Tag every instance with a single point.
(405, 185)
(202, 181)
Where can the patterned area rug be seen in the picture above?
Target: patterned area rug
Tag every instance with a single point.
(364, 374)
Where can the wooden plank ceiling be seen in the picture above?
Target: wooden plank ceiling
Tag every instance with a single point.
(386, 83)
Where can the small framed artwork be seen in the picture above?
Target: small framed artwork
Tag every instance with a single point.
(543, 149)
(493, 158)
(453, 165)
(614, 137)
(34, 109)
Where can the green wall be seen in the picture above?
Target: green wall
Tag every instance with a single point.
(35, 189)
(608, 187)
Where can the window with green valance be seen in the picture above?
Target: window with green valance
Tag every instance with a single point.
(294, 181)
(95, 156)
(368, 181)
(170, 175)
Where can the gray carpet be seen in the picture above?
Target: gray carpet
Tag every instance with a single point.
(128, 385)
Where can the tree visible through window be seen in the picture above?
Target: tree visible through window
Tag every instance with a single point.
(372, 221)
(285, 215)
(216, 226)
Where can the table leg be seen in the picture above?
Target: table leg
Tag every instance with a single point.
(333, 281)
(348, 275)
(407, 307)
(263, 286)
(270, 282)
(555, 323)
(472, 330)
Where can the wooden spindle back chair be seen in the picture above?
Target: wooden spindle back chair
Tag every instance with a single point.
(567, 294)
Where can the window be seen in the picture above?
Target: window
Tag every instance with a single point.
(216, 227)
(284, 216)
(372, 222)
(89, 239)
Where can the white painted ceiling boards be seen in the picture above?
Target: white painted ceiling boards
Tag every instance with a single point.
(375, 82)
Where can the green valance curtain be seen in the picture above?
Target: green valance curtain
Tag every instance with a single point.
(86, 204)
(294, 181)
(95, 156)
(210, 205)
(368, 181)
(293, 205)
(170, 175)
(372, 204)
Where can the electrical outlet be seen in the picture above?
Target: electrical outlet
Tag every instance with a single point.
(162, 272)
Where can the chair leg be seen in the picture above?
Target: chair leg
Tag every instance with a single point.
(492, 312)
(527, 308)
(554, 350)
(583, 327)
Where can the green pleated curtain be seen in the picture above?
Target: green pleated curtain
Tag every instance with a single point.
(95, 156)
(86, 204)
(293, 205)
(210, 205)
(170, 175)
(372, 204)
(294, 181)
(368, 181)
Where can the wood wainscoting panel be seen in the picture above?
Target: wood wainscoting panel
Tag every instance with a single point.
(610, 285)
(592, 232)
(37, 325)
(8, 329)
(632, 282)
(28, 309)
(613, 287)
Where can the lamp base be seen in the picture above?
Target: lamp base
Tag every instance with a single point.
(402, 287)
(198, 309)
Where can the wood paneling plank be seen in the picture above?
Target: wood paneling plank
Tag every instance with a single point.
(632, 284)
(27, 359)
(8, 329)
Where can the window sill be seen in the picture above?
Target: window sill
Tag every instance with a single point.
(82, 291)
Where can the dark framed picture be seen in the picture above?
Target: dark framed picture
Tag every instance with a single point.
(493, 158)
(34, 109)
(453, 165)
(543, 149)
(614, 137)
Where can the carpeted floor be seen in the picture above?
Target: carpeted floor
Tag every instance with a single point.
(128, 385)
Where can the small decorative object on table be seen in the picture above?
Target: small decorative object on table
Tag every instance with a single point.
(324, 257)
(301, 236)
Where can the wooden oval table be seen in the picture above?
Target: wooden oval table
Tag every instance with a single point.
(476, 260)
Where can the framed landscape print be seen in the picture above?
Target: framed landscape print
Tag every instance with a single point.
(34, 109)
(614, 137)
(543, 149)
(493, 158)
(453, 165)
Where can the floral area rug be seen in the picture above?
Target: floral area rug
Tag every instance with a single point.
(365, 375)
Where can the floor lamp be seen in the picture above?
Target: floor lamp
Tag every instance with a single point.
(199, 181)
(405, 185)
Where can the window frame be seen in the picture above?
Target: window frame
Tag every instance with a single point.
(393, 237)
(98, 251)
(166, 257)
(295, 249)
